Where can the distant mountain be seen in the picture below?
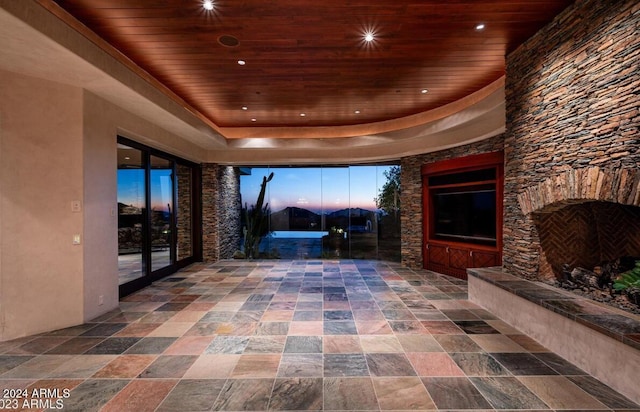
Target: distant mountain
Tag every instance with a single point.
(295, 218)
(124, 209)
(353, 220)
(352, 212)
(296, 212)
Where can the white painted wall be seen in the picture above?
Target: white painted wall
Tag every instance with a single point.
(58, 144)
(100, 209)
(41, 173)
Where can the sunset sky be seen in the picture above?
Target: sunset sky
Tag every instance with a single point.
(319, 189)
(131, 189)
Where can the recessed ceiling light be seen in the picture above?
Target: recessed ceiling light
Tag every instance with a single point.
(245, 108)
(480, 26)
(357, 112)
(207, 5)
(254, 120)
(369, 33)
(127, 158)
(303, 114)
(242, 62)
(424, 91)
(228, 40)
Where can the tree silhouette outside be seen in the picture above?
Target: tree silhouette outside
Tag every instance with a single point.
(389, 198)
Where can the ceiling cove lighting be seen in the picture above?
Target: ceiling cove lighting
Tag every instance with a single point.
(207, 5)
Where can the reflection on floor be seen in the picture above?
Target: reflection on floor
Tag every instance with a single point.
(130, 265)
(299, 335)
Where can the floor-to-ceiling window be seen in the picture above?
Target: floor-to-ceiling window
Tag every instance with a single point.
(335, 211)
(156, 209)
(132, 195)
(327, 212)
(162, 218)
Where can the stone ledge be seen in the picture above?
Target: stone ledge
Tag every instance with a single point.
(604, 342)
(611, 322)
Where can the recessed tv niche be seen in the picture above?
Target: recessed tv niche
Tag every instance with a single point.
(465, 214)
(462, 213)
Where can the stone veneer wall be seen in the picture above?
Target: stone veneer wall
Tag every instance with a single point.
(572, 120)
(411, 193)
(183, 216)
(221, 207)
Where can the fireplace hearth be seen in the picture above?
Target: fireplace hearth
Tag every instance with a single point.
(598, 283)
(603, 341)
(589, 235)
(585, 244)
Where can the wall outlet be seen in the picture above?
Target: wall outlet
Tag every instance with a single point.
(100, 300)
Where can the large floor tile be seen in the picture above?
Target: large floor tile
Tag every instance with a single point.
(333, 335)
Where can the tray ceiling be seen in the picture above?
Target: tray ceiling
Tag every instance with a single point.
(300, 64)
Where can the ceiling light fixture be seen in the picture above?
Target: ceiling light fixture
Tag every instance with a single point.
(369, 36)
(242, 62)
(424, 91)
(245, 108)
(357, 112)
(207, 5)
(303, 114)
(228, 40)
(480, 26)
(254, 120)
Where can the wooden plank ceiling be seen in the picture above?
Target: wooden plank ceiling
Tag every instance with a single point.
(310, 57)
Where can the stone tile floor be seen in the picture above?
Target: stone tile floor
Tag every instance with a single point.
(295, 335)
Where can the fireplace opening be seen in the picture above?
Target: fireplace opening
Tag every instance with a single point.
(581, 241)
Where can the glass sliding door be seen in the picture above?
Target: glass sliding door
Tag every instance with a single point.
(363, 218)
(131, 213)
(295, 204)
(157, 215)
(335, 195)
(336, 211)
(161, 212)
(388, 204)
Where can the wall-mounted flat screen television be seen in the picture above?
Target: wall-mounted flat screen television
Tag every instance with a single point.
(465, 215)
